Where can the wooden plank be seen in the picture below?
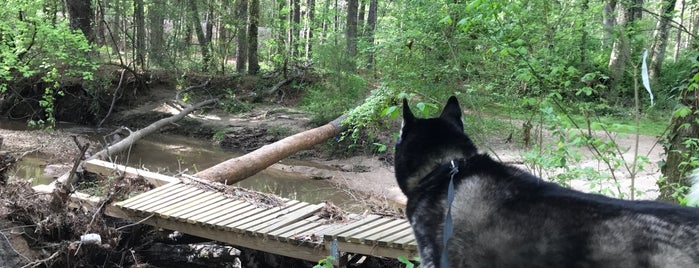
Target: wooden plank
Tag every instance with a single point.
(300, 229)
(349, 235)
(232, 225)
(287, 219)
(156, 196)
(228, 213)
(390, 234)
(289, 228)
(139, 197)
(107, 169)
(242, 213)
(374, 250)
(389, 241)
(405, 241)
(269, 219)
(317, 233)
(215, 202)
(311, 253)
(185, 205)
(386, 229)
(218, 209)
(170, 200)
(357, 224)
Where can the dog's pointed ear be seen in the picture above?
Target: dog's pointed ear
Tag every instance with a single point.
(408, 116)
(452, 112)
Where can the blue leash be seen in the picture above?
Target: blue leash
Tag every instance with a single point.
(448, 224)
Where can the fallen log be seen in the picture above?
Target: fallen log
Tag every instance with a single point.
(128, 141)
(122, 145)
(240, 168)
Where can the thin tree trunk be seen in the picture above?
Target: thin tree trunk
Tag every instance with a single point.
(140, 45)
(678, 39)
(361, 12)
(253, 64)
(661, 37)
(621, 50)
(100, 37)
(310, 28)
(241, 52)
(296, 33)
(201, 37)
(583, 37)
(351, 32)
(371, 27)
(282, 45)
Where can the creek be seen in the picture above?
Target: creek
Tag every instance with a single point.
(172, 154)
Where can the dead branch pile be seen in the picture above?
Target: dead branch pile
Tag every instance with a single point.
(7, 162)
(56, 228)
(261, 200)
(332, 213)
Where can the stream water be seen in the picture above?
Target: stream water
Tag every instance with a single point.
(172, 154)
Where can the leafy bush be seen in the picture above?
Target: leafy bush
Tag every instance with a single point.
(34, 46)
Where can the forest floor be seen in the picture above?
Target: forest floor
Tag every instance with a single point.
(362, 172)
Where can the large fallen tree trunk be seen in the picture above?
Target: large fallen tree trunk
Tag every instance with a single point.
(238, 169)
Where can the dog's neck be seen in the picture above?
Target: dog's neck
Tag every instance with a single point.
(428, 168)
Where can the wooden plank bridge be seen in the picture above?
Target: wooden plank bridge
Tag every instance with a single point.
(293, 229)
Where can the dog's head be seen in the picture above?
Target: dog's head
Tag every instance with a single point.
(424, 144)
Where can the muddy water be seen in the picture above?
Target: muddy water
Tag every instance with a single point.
(171, 154)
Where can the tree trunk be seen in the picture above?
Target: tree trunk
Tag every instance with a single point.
(140, 46)
(253, 64)
(201, 37)
(80, 13)
(583, 37)
(361, 12)
(310, 28)
(609, 20)
(100, 36)
(351, 32)
(282, 45)
(678, 39)
(156, 39)
(241, 52)
(661, 36)
(371, 27)
(678, 163)
(621, 50)
(296, 26)
(240, 168)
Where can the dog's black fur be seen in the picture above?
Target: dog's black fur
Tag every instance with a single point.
(506, 217)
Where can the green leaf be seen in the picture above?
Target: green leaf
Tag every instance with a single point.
(682, 112)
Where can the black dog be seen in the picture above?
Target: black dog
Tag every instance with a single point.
(506, 217)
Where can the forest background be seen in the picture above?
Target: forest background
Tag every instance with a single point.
(573, 71)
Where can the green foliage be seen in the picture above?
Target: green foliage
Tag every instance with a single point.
(230, 103)
(325, 263)
(409, 262)
(561, 160)
(32, 46)
(219, 136)
(366, 117)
